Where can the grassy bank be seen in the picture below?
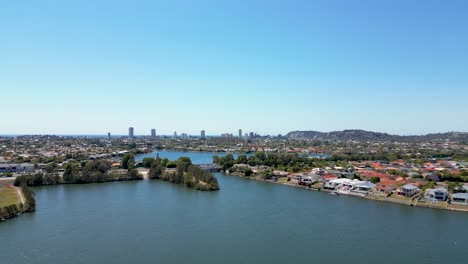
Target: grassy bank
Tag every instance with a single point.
(11, 204)
(8, 196)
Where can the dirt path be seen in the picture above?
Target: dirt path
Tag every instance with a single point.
(144, 172)
(20, 195)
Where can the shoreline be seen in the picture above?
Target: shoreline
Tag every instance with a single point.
(410, 203)
(14, 210)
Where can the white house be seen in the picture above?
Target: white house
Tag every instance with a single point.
(336, 182)
(363, 186)
(460, 198)
(319, 171)
(311, 178)
(408, 190)
(350, 184)
(434, 195)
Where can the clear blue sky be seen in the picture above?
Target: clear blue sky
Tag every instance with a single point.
(81, 67)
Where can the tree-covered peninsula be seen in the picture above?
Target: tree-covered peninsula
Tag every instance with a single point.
(94, 171)
(181, 171)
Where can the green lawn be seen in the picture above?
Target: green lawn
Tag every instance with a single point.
(283, 179)
(8, 196)
(440, 204)
(459, 206)
(400, 198)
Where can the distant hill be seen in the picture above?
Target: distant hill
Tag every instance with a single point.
(364, 136)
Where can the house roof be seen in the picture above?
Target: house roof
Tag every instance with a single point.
(340, 180)
(370, 174)
(409, 187)
(460, 196)
(365, 184)
(329, 176)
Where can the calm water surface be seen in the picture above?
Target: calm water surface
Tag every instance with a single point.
(196, 157)
(245, 222)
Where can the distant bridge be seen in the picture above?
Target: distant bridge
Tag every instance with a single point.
(209, 167)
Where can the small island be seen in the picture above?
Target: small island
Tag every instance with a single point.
(181, 171)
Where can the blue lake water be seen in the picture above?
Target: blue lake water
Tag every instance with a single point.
(196, 157)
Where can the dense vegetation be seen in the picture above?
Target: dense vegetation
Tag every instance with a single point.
(292, 162)
(281, 161)
(95, 171)
(30, 201)
(10, 211)
(394, 155)
(447, 176)
(181, 171)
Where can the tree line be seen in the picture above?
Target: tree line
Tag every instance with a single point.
(290, 162)
(95, 171)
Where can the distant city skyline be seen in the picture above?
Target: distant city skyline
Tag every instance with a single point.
(180, 134)
(92, 67)
(207, 134)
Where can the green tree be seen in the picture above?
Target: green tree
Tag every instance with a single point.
(242, 159)
(429, 185)
(171, 164)
(183, 163)
(375, 180)
(127, 160)
(147, 162)
(267, 174)
(454, 186)
(133, 174)
(49, 168)
(156, 171)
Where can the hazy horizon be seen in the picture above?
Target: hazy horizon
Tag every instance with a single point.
(269, 67)
(235, 134)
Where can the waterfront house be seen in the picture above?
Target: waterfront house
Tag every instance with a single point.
(460, 198)
(434, 195)
(363, 186)
(332, 184)
(298, 176)
(329, 177)
(311, 178)
(350, 184)
(408, 190)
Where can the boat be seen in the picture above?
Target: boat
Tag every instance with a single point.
(334, 193)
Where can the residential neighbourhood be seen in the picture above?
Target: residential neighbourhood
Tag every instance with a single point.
(398, 181)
